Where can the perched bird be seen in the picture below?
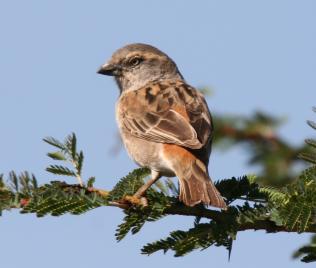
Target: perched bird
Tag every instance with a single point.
(164, 123)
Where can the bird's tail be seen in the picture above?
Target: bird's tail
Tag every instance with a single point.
(196, 187)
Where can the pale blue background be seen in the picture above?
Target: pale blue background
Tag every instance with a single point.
(255, 54)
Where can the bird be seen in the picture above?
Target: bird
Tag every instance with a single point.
(165, 124)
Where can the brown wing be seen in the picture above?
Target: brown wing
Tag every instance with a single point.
(172, 113)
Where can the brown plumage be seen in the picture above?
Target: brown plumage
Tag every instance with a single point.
(165, 124)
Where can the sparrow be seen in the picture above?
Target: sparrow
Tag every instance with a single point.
(164, 123)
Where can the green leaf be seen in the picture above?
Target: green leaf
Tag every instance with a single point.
(293, 217)
(60, 170)
(311, 158)
(54, 142)
(133, 221)
(311, 124)
(71, 146)
(306, 215)
(14, 181)
(90, 182)
(79, 163)
(311, 142)
(276, 195)
(73, 142)
(57, 156)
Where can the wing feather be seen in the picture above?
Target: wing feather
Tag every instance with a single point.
(176, 114)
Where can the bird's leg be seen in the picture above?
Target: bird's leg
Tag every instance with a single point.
(138, 198)
(154, 177)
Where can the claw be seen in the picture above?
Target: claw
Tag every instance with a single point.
(137, 201)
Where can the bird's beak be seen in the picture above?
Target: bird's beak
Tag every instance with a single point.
(109, 69)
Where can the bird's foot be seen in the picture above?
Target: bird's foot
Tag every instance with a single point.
(135, 200)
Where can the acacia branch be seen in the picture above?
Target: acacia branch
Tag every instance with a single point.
(197, 211)
(221, 216)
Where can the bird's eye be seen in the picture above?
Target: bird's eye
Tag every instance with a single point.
(134, 61)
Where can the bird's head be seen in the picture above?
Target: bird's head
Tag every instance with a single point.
(135, 65)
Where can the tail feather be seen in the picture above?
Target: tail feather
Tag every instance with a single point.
(196, 187)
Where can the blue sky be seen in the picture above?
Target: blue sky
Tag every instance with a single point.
(256, 55)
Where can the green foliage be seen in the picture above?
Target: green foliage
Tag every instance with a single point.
(275, 195)
(58, 198)
(60, 170)
(274, 155)
(294, 204)
(137, 216)
(129, 184)
(299, 211)
(54, 198)
(135, 219)
(201, 236)
(308, 251)
(6, 196)
(69, 155)
(309, 157)
(18, 189)
(240, 188)
(247, 214)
